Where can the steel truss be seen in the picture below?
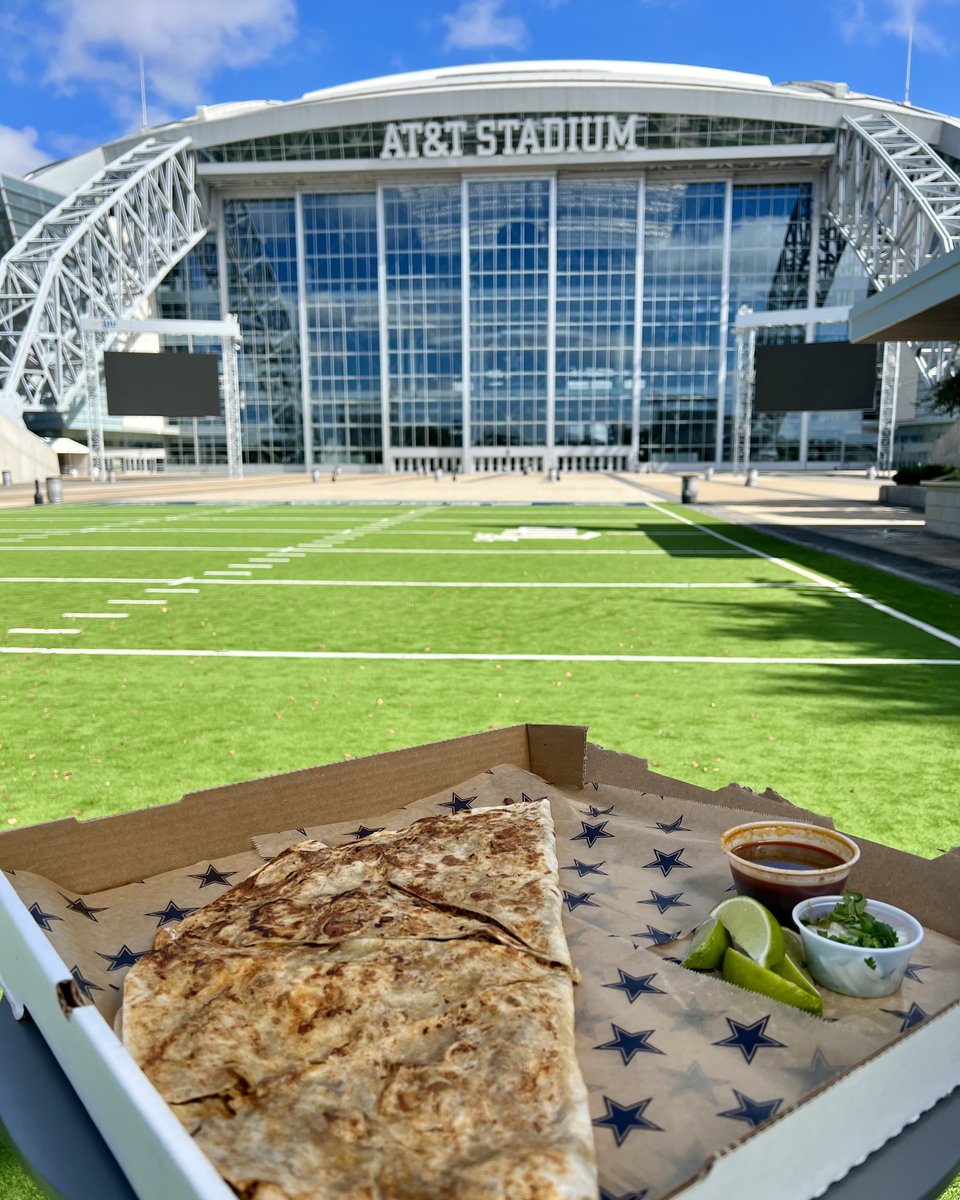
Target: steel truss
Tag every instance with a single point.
(99, 254)
(897, 204)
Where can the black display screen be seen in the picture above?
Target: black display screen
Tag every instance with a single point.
(815, 377)
(162, 385)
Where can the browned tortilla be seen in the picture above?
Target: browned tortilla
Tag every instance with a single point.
(387, 1019)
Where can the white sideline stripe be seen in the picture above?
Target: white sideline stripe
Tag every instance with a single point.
(136, 601)
(325, 549)
(823, 582)
(392, 583)
(378, 583)
(28, 629)
(179, 591)
(96, 616)
(391, 656)
(79, 579)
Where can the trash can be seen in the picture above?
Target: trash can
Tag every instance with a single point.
(8, 479)
(438, 475)
(752, 476)
(871, 472)
(54, 489)
(689, 489)
(111, 476)
(708, 473)
(315, 474)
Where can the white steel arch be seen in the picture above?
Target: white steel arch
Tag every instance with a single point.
(897, 204)
(100, 253)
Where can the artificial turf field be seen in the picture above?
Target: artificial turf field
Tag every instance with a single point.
(150, 651)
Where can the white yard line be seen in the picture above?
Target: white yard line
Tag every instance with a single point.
(28, 629)
(253, 566)
(509, 586)
(108, 616)
(136, 602)
(822, 581)
(81, 579)
(389, 656)
(172, 591)
(235, 573)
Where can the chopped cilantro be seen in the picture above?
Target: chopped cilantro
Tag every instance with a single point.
(851, 924)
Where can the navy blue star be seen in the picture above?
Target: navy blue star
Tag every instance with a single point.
(754, 1112)
(657, 937)
(125, 957)
(629, 1044)
(42, 918)
(748, 1039)
(170, 914)
(574, 900)
(622, 1119)
(211, 876)
(457, 804)
(913, 1016)
(592, 833)
(583, 868)
(819, 1070)
(666, 862)
(363, 832)
(80, 906)
(635, 985)
(694, 1079)
(593, 811)
(605, 1195)
(665, 902)
(676, 826)
(87, 988)
(912, 969)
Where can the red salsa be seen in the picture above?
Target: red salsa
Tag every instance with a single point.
(786, 856)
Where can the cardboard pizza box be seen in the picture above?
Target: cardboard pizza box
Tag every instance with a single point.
(849, 1117)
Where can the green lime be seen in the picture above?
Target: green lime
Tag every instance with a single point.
(708, 945)
(788, 969)
(753, 928)
(794, 943)
(745, 973)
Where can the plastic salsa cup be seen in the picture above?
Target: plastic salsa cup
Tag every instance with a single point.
(781, 863)
(857, 970)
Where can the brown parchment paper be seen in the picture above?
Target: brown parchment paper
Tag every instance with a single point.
(678, 1065)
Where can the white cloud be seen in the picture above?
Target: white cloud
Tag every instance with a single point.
(866, 22)
(19, 152)
(478, 25)
(90, 44)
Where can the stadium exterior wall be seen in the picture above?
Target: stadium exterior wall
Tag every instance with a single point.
(518, 266)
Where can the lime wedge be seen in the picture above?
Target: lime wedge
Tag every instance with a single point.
(708, 945)
(788, 969)
(753, 928)
(794, 943)
(745, 973)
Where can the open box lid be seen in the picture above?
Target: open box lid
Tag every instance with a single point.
(161, 1160)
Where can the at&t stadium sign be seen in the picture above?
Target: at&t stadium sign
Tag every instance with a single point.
(510, 137)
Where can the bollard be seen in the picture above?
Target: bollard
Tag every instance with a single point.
(752, 476)
(37, 494)
(438, 475)
(689, 489)
(111, 476)
(315, 473)
(708, 473)
(871, 472)
(553, 475)
(8, 479)
(54, 489)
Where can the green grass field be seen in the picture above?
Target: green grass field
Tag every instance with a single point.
(150, 651)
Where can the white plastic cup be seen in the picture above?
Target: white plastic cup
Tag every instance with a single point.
(846, 969)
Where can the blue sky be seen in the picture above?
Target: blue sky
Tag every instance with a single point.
(69, 73)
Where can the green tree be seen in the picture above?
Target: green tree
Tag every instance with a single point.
(945, 395)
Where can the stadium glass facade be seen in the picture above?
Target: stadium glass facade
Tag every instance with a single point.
(595, 316)
(525, 285)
